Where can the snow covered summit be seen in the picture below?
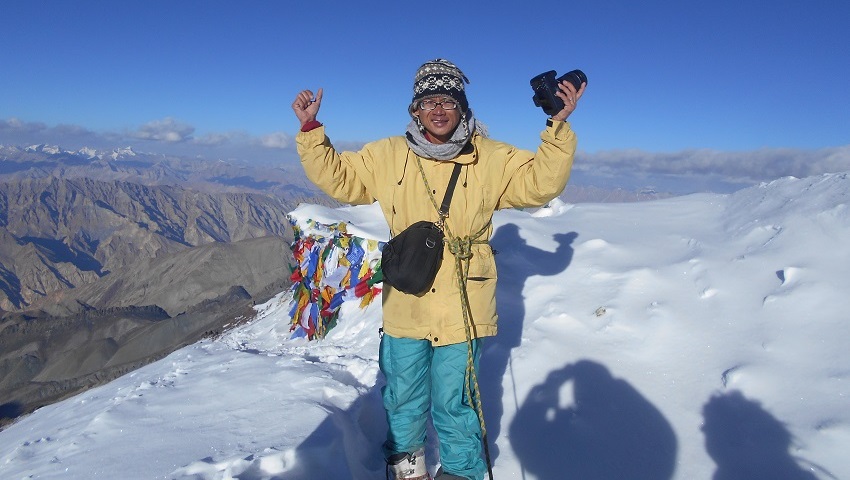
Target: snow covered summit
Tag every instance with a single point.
(686, 338)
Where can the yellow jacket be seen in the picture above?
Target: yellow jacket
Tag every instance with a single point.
(495, 176)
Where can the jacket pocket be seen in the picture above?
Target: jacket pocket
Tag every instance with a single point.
(482, 265)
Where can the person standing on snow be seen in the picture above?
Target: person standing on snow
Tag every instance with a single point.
(430, 339)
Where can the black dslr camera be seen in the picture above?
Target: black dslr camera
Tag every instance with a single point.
(545, 85)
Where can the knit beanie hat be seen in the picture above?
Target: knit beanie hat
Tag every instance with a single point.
(439, 77)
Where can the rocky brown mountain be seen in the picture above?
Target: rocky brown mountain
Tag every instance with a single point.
(44, 359)
(65, 233)
(88, 335)
(110, 262)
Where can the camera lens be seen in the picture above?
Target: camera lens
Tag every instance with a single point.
(575, 77)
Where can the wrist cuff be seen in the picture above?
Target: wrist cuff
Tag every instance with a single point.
(310, 125)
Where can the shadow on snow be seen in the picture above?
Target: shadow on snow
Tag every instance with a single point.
(516, 261)
(610, 432)
(606, 431)
(748, 443)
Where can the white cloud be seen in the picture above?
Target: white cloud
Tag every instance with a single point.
(166, 130)
(18, 126)
(275, 140)
(213, 139)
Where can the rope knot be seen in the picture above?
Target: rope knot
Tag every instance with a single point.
(461, 247)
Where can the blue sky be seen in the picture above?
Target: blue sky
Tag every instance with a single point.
(666, 78)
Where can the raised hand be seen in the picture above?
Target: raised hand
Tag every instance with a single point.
(570, 97)
(306, 105)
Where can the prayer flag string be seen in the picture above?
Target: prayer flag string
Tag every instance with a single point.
(331, 267)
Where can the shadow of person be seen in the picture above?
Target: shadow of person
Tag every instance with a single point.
(345, 445)
(607, 432)
(516, 261)
(746, 442)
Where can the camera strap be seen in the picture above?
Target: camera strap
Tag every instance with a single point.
(447, 199)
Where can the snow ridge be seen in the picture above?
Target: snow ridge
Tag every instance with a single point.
(686, 338)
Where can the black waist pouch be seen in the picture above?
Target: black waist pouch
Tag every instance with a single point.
(411, 259)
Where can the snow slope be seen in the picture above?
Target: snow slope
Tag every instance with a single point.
(694, 337)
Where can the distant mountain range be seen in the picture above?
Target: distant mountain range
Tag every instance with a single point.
(109, 260)
(68, 218)
(127, 165)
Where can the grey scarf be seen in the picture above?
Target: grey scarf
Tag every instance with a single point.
(463, 133)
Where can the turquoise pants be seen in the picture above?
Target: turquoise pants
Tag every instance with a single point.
(420, 376)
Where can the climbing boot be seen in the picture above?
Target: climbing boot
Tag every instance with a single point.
(408, 466)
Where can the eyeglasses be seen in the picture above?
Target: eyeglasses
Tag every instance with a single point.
(428, 105)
